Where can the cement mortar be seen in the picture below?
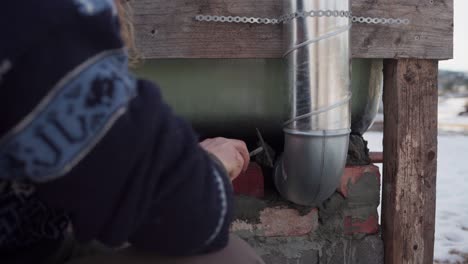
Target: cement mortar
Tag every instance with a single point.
(331, 215)
(363, 197)
(249, 208)
(315, 249)
(358, 153)
(327, 244)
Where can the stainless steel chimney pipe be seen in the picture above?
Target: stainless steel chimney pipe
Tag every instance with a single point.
(317, 133)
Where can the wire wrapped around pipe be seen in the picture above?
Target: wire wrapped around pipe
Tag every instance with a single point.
(303, 45)
(315, 40)
(321, 110)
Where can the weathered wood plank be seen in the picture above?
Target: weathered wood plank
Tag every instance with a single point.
(410, 160)
(166, 29)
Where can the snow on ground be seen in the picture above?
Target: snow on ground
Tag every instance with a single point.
(452, 194)
(449, 108)
(449, 119)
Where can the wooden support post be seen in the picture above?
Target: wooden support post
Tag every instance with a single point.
(410, 160)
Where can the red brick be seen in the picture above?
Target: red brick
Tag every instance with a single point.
(358, 226)
(251, 182)
(287, 222)
(354, 223)
(279, 222)
(353, 174)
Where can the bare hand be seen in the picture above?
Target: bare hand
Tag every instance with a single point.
(231, 152)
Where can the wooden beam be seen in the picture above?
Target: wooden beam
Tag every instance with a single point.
(166, 29)
(410, 160)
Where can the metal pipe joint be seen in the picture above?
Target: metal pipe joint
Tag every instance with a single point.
(317, 132)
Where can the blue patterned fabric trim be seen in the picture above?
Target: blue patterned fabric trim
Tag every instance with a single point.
(93, 7)
(72, 118)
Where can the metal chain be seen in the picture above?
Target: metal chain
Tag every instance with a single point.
(302, 14)
(380, 20)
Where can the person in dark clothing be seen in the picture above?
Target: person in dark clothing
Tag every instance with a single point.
(89, 153)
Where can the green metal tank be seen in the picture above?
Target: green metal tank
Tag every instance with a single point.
(233, 97)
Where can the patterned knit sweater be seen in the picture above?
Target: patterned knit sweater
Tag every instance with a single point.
(84, 143)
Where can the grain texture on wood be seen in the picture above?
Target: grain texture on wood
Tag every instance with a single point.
(167, 29)
(410, 160)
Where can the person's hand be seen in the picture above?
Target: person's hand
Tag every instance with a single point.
(232, 153)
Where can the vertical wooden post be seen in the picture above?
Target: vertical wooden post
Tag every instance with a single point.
(410, 160)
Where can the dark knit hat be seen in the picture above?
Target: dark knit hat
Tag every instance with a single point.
(63, 73)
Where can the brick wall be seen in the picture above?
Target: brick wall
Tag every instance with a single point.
(343, 230)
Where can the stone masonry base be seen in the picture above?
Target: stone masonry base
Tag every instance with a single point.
(342, 230)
